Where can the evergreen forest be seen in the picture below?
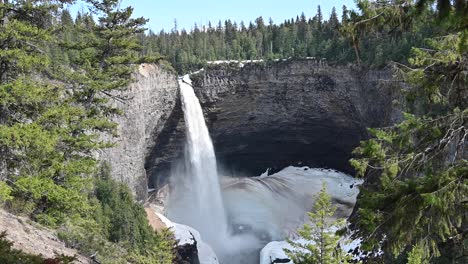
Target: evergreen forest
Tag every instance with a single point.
(58, 76)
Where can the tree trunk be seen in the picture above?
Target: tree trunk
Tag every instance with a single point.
(356, 50)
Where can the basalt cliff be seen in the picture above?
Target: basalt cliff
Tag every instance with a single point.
(260, 115)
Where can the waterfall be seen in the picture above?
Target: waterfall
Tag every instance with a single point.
(260, 209)
(195, 198)
(203, 208)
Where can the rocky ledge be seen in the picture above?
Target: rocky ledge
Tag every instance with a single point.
(32, 238)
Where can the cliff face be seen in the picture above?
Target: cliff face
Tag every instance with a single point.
(272, 115)
(147, 105)
(261, 115)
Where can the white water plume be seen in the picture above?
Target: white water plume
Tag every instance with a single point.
(195, 199)
(203, 208)
(258, 209)
(274, 206)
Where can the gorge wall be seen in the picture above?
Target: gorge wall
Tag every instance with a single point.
(275, 114)
(261, 115)
(147, 105)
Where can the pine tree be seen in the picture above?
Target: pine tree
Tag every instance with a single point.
(344, 14)
(319, 18)
(66, 18)
(322, 246)
(301, 37)
(108, 57)
(52, 115)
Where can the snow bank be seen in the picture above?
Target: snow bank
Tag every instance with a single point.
(275, 250)
(186, 79)
(274, 206)
(233, 61)
(188, 235)
(242, 62)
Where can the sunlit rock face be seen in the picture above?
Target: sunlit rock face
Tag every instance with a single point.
(147, 105)
(276, 114)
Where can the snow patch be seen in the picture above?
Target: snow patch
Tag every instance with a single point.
(240, 63)
(186, 79)
(188, 235)
(274, 206)
(275, 250)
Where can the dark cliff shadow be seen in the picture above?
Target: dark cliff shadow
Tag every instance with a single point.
(168, 147)
(277, 114)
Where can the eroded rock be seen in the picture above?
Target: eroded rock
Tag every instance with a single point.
(147, 105)
(277, 114)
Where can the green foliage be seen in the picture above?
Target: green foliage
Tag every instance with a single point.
(5, 192)
(300, 37)
(43, 141)
(88, 237)
(418, 202)
(323, 243)
(125, 220)
(106, 57)
(416, 256)
(117, 229)
(158, 250)
(52, 119)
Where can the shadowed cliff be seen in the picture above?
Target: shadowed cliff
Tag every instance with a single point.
(275, 114)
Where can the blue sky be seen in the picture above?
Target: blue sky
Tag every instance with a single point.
(187, 12)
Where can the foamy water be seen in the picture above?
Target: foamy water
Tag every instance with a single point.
(238, 217)
(196, 198)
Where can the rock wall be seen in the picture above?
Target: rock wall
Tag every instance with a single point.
(260, 115)
(276, 114)
(147, 106)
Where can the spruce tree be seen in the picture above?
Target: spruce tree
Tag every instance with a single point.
(416, 202)
(53, 113)
(322, 242)
(41, 170)
(108, 55)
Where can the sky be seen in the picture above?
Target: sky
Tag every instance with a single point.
(162, 13)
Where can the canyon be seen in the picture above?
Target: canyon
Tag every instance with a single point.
(261, 115)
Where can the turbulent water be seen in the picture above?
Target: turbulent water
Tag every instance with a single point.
(205, 210)
(274, 206)
(196, 198)
(258, 209)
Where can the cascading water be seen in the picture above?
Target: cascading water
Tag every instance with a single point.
(205, 210)
(195, 198)
(260, 209)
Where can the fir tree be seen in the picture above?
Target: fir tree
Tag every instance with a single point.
(108, 56)
(41, 170)
(50, 129)
(322, 246)
(419, 200)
